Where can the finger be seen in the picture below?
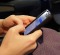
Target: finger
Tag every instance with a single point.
(26, 17)
(17, 28)
(16, 20)
(30, 48)
(31, 18)
(11, 21)
(35, 35)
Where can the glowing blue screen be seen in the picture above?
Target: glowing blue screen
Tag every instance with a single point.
(34, 24)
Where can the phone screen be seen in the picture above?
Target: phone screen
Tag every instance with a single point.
(37, 22)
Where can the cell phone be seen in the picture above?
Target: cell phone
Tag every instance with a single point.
(36, 24)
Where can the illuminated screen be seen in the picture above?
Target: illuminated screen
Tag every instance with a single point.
(37, 22)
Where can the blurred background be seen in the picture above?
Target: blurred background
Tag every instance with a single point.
(32, 8)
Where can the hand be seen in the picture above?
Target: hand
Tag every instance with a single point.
(17, 44)
(14, 20)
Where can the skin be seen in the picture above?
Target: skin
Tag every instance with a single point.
(14, 43)
(13, 20)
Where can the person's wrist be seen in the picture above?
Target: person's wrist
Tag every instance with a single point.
(1, 26)
(1, 21)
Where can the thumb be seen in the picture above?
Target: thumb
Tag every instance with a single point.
(35, 35)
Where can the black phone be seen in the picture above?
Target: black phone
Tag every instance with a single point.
(36, 24)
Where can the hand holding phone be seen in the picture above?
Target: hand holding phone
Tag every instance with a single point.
(43, 18)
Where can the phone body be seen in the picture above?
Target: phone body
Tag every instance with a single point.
(36, 24)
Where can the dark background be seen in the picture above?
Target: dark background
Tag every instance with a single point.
(32, 8)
